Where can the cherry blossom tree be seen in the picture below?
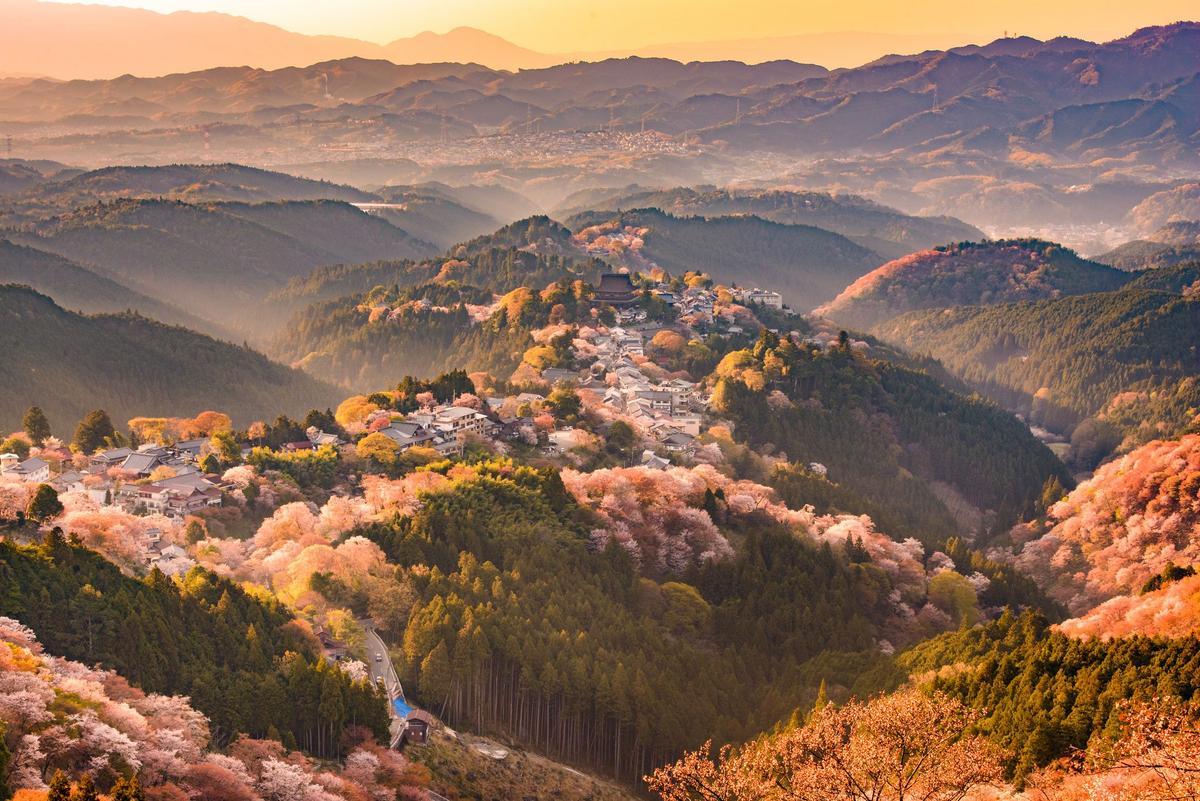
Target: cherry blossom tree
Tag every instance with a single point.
(901, 747)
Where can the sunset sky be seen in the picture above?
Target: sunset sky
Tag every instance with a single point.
(559, 26)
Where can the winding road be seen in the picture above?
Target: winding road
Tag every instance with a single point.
(380, 668)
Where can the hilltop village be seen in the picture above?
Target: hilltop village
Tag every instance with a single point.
(619, 393)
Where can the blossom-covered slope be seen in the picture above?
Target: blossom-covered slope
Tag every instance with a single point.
(1112, 534)
(61, 715)
(968, 274)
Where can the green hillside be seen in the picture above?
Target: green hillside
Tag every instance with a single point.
(807, 265)
(213, 260)
(1046, 694)
(189, 638)
(889, 435)
(969, 274)
(74, 287)
(1127, 358)
(69, 363)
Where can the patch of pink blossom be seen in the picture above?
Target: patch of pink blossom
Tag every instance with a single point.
(162, 739)
(1173, 611)
(1113, 532)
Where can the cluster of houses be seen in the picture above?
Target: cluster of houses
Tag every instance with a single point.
(119, 477)
(669, 412)
(443, 428)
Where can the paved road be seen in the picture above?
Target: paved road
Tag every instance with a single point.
(382, 667)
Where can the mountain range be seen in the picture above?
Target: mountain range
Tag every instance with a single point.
(1134, 97)
(98, 41)
(105, 41)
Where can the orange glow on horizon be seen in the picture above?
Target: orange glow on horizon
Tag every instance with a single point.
(579, 26)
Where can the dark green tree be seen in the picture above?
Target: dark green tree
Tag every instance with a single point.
(210, 463)
(620, 439)
(44, 505)
(92, 432)
(564, 404)
(36, 425)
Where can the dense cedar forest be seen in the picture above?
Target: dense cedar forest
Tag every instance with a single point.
(807, 265)
(885, 432)
(243, 659)
(518, 627)
(1126, 357)
(1045, 693)
(132, 366)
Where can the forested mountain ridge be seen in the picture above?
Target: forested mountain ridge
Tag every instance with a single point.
(75, 287)
(872, 225)
(968, 274)
(807, 265)
(130, 365)
(1125, 360)
(888, 434)
(177, 252)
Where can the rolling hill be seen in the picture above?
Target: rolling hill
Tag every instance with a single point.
(74, 287)
(103, 42)
(807, 265)
(968, 274)
(217, 260)
(69, 364)
(440, 217)
(1113, 369)
(889, 232)
(192, 183)
(368, 326)
(1174, 243)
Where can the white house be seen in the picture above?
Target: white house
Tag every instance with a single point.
(764, 297)
(31, 471)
